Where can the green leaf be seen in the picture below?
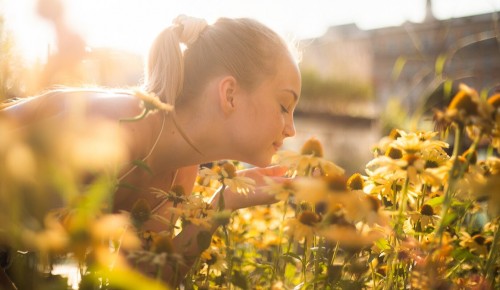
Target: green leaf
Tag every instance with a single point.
(128, 186)
(440, 62)
(435, 201)
(142, 165)
(447, 87)
(292, 255)
(121, 278)
(398, 67)
(449, 218)
(383, 244)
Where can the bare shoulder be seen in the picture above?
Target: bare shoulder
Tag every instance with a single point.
(112, 104)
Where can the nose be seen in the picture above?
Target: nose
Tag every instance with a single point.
(289, 130)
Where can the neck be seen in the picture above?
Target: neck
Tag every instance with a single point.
(188, 139)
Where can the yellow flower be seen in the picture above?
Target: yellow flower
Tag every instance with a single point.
(280, 190)
(415, 156)
(467, 109)
(176, 195)
(152, 102)
(116, 227)
(348, 236)
(424, 218)
(412, 143)
(195, 210)
(52, 239)
(485, 184)
(216, 263)
(227, 175)
(303, 227)
(308, 161)
(477, 244)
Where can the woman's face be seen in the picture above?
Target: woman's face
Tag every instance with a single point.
(265, 118)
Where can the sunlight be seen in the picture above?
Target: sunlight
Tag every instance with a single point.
(131, 25)
(69, 271)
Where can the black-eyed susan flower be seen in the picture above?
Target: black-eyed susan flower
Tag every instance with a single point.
(424, 218)
(303, 227)
(308, 160)
(140, 212)
(227, 174)
(280, 190)
(216, 263)
(478, 243)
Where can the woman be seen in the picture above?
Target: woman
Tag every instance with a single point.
(233, 86)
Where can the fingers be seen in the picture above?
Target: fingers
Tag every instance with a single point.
(276, 170)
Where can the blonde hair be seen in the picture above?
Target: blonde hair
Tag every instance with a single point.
(244, 48)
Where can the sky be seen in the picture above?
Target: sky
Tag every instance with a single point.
(132, 24)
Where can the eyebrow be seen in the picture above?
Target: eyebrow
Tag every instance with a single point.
(295, 95)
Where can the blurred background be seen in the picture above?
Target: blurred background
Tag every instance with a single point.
(368, 66)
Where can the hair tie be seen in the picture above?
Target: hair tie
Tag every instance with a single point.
(191, 27)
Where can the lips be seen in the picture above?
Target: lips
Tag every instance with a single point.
(277, 145)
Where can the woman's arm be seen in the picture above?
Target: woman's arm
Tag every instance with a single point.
(186, 242)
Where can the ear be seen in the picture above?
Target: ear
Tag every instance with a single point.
(227, 91)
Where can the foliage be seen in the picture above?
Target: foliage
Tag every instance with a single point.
(419, 218)
(314, 86)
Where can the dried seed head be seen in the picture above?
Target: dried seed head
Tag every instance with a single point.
(178, 190)
(230, 170)
(463, 101)
(336, 182)
(312, 147)
(374, 202)
(336, 219)
(355, 182)
(141, 211)
(411, 158)
(162, 244)
(309, 218)
(394, 153)
(431, 164)
(494, 101)
(427, 210)
(212, 260)
(479, 239)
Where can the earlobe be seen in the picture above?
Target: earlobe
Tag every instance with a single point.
(227, 89)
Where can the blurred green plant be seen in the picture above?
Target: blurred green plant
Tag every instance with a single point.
(316, 87)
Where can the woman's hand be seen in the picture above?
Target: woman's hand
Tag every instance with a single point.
(235, 201)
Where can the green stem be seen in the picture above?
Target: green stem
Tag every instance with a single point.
(280, 250)
(304, 261)
(402, 209)
(335, 253)
(492, 256)
(141, 116)
(451, 182)
(456, 172)
(317, 255)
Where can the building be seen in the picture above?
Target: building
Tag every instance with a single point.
(408, 63)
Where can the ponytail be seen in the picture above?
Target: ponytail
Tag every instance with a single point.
(165, 66)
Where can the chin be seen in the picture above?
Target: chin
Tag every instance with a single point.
(260, 162)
